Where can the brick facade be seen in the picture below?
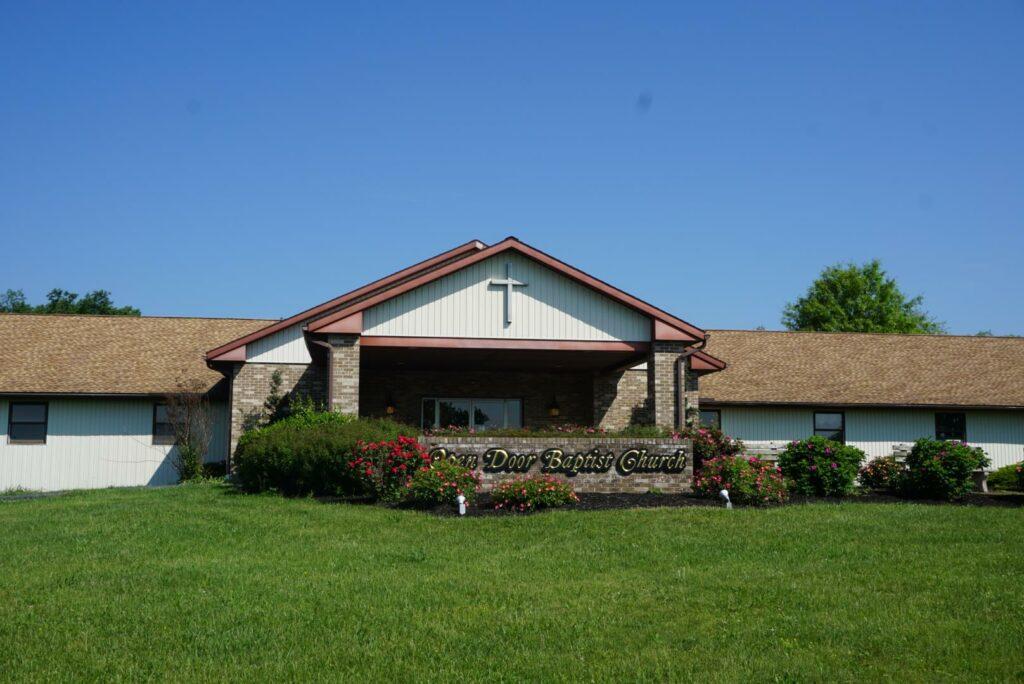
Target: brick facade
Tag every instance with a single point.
(572, 391)
(621, 399)
(250, 385)
(662, 382)
(345, 379)
(606, 482)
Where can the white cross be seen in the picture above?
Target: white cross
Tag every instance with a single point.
(508, 282)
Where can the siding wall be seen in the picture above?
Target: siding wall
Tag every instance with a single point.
(285, 346)
(999, 433)
(463, 304)
(94, 443)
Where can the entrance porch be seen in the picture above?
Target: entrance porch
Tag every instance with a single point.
(482, 383)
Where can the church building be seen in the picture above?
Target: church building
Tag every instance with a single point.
(483, 337)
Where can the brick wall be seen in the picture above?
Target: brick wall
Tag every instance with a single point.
(345, 378)
(574, 392)
(621, 399)
(691, 393)
(662, 381)
(604, 482)
(250, 385)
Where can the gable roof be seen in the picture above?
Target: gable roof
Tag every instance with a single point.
(864, 369)
(109, 355)
(666, 325)
(353, 296)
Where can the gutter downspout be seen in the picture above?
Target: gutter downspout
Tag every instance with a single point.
(330, 371)
(681, 380)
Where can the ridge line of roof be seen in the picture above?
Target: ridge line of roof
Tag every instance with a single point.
(511, 242)
(457, 252)
(11, 314)
(877, 334)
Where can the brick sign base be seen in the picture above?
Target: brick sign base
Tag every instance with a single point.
(592, 464)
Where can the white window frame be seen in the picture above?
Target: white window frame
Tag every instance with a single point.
(472, 410)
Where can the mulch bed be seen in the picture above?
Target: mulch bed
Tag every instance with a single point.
(599, 502)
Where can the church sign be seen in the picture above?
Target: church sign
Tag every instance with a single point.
(593, 464)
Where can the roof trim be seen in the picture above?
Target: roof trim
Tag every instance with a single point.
(513, 244)
(471, 246)
(709, 401)
(703, 362)
(502, 343)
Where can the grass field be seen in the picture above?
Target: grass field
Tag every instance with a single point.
(196, 581)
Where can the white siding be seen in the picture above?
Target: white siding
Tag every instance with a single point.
(96, 443)
(463, 304)
(875, 431)
(285, 346)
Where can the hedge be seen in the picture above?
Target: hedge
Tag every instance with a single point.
(305, 454)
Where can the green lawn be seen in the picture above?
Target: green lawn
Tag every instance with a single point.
(196, 581)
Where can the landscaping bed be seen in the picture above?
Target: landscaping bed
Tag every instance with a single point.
(484, 506)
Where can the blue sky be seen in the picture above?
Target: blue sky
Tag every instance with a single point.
(255, 159)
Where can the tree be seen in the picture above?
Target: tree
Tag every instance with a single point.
(188, 412)
(851, 298)
(13, 301)
(64, 302)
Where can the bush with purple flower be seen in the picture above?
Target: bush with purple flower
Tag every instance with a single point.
(820, 467)
(937, 469)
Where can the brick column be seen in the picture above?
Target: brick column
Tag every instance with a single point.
(691, 393)
(344, 381)
(662, 382)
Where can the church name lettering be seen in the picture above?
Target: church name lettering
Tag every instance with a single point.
(554, 460)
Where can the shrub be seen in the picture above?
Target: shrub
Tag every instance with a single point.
(748, 480)
(308, 454)
(880, 473)
(938, 469)
(441, 483)
(710, 442)
(533, 493)
(384, 468)
(820, 467)
(1009, 478)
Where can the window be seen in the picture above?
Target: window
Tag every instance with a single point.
(711, 418)
(26, 422)
(830, 425)
(163, 431)
(475, 414)
(951, 426)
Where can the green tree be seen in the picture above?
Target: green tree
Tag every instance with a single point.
(851, 298)
(64, 302)
(13, 301)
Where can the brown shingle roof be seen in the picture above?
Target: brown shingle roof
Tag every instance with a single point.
(109, 354)
(865, 369)
(46, 354)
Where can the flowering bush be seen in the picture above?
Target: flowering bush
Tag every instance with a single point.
(880, 473)
(749, 480)
(710, 442)
(302, 454)
(533, 493)
(384, 468)
(441, 483)
(820, 467)
(1020, 476)
(940, 470)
